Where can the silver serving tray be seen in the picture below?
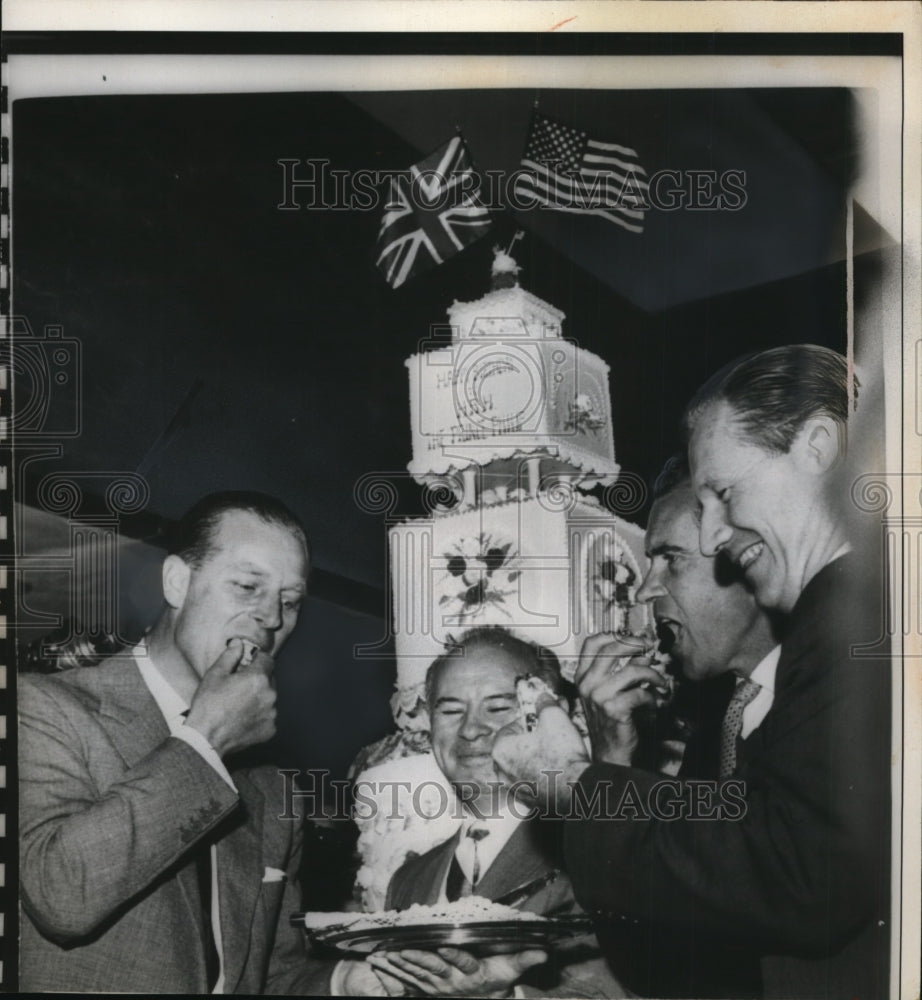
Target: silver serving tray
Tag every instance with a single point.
(486, 937)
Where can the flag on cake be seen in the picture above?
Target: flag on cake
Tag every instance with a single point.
(433, 211)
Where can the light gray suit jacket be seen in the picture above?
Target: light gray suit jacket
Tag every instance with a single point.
(111, 806)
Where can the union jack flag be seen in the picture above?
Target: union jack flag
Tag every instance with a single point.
(432, 211)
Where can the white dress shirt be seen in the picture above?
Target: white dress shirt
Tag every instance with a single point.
(173, 709)
(499, 829)
(764, 676)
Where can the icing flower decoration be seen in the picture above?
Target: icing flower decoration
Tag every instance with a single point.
(480, 573)
(583, 417)
(613, 583)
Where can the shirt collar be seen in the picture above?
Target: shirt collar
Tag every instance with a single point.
(764, 672)
(170, 703)
(842, 550)
(501, 826)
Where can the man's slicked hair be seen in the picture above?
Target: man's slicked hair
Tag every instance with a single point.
(773, 393)
(536, 660)
(193, 537)
(675, 473)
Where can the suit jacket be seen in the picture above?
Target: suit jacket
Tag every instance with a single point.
(576, 969)
(667, 956)
(111, 809)
(802, 878)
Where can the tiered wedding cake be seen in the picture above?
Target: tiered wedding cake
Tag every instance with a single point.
(511, 425)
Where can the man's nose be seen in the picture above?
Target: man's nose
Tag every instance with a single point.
(473, 727)
(715, 530)
(269, 612)
(650, 587)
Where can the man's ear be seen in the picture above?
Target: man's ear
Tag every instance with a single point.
(819, 444)
(176, 576)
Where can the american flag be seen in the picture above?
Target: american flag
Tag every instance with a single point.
(565, 170)
(432, 211)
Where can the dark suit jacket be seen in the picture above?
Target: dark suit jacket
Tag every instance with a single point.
(802, 879)
(669, 956)
(110, 807)
(577, 969)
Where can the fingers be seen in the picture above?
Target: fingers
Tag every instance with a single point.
(623, 679)
(431, 962)
(621, 708)
(392, 986)
(526, 959)
(229, 660)
(393, 965)
(261, 662)
(601, 652)
(462, 960)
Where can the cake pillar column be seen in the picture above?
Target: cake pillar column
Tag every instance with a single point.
(534, 476)
(470, 486)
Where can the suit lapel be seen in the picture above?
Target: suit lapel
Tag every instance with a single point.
(136, 728)
(517, 863)
(434, 878)
(240, 870)
(135, 724)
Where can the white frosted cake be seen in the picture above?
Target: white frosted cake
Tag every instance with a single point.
(512, 424)
(509, 386)
(551, 572)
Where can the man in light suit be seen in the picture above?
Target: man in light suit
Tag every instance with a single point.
(802, 877)
(471, 695)
(151, 856)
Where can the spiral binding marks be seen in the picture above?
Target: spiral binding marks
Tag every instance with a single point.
(871, 494)
(442, 495)
(128, 494)
(374, 494)
(557, 495)
(626, 495)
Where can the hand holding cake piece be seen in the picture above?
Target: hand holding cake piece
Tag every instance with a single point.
(618, 677)
(542, 751)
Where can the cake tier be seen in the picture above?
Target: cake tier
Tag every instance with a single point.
(506, 396)
(505, 312)
(552, 569)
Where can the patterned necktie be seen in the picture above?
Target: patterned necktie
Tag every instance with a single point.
(458, 885)
(745, 691)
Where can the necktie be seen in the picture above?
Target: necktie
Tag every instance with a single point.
(458, 885)
(743, 694)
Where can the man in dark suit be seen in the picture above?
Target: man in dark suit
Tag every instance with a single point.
(151, 856)
(801, 876)
(471, 695)
(715, 633)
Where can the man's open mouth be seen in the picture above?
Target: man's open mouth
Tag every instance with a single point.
(250, 648)
(749, 555)
(668, 631)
